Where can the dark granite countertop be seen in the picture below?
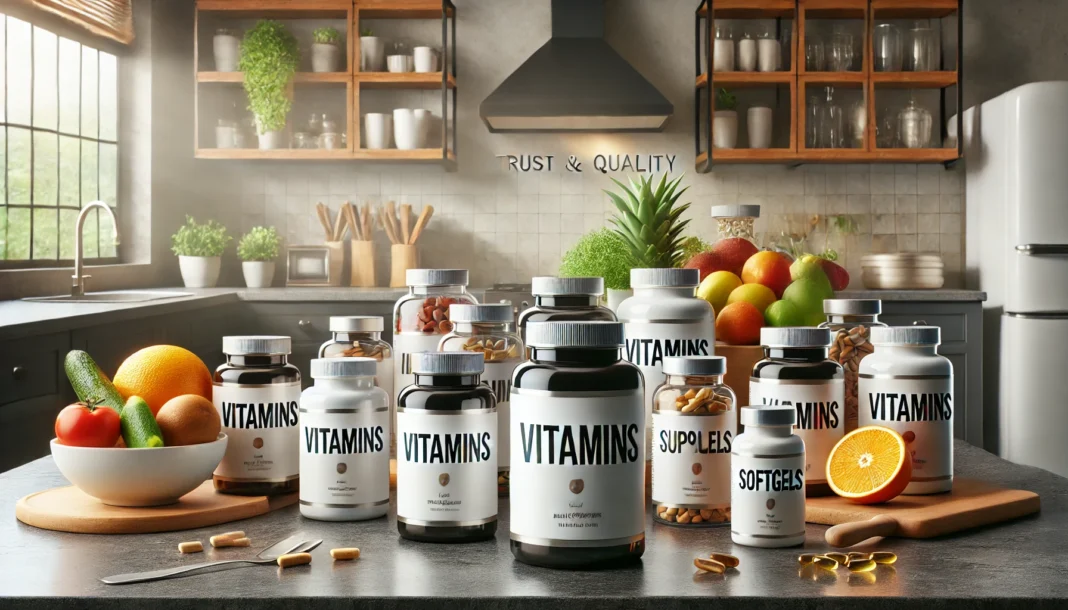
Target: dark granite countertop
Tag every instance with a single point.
(1015, 565)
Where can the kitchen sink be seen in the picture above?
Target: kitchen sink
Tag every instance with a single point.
(125, 296)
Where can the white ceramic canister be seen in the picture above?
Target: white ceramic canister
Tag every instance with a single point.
(425, 59)
(405, 130)
(725, 129)
(372, 54)
(226, 50)
(377, 130)
(747, 54)
(769, 53)
(759, 123)
(906, 386)
(344, 442)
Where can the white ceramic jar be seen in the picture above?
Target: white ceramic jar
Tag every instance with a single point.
(344, 442)
(747, 54)
(768, 479)
(906, 386)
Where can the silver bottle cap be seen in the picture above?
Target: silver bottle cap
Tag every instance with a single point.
(448, 363)
(357, 324)
(436, 277)
(795, 336)
(257, 345)
(487, 312)
(695, 365)
(575, 334)
(768, 415)
(325, 368)
(664, 278)
(735, 211)
(552, 286)
(906, 335)
(852, 307)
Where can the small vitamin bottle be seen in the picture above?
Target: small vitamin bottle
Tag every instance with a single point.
(361, 337)
(447, 451)
(257, 393)
(562, 299)
(488, 329)
(694, 424)
(850, 322)
(578, 451)
(768, 479)
(344, 442)
(907, 387)
(797, 371)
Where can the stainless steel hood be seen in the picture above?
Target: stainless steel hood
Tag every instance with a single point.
(576, 82)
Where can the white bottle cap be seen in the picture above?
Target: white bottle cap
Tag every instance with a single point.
(486, 312)
(695, 365)
(436, 277)
(448, 363)
(852, 307)
(906, 335)
(325, 368)
(795, 336)
(257, 345)
(356, 324)
(768, 415)
(575, 334)
(552, 286)
(664, 278)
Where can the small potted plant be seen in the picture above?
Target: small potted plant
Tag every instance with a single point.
(258, 250)
(269, 58)
(372, 52)
(725, 120)
(601, 253)
(326, 53)
(199, 248)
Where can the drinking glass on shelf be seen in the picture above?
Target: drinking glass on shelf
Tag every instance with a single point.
(920, 56)
(815, 61)
(723, 49)
(840, 57)
(813, 112)
(885, 128)
(914, 125)
(858, 123)
(887, 41)
(832, 123)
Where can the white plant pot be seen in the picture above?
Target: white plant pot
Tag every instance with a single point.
(617, 296)
(377, 130)
(400, 63)
(272, 140)
(225, 49)
(425, 59)
(200, 271)
(325, 57)
(258, 274)
(725, 129)
(405, 129)
(758, 124)
(372, 54)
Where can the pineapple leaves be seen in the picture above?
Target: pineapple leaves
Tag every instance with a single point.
(649, 221)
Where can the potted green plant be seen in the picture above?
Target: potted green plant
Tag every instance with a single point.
(269, 58)
(258, 250)
(326, 54)
(601, 253)
(199, 248)
(372, 52)
(725, 120)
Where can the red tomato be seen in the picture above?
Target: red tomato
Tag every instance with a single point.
(82, 425)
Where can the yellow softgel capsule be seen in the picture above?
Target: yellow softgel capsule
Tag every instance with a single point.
(841, 558)
(862, 565)
(728, 560)
(825, 562)
(883, 557)
(806, 558)
(709, 565)
(855, 555)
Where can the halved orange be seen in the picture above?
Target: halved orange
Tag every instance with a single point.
(869, 465)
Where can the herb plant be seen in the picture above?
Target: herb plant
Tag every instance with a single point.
(599, 253)
(693, 245)
(259, 244)
(326, 36)
(367, 32)
(649, 222)
(269, 58)
(192, 239)
(725, 100)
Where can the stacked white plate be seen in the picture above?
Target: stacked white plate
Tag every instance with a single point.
(902, 271)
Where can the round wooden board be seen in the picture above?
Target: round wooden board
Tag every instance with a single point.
(68, 509)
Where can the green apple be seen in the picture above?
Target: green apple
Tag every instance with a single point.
(783, 313)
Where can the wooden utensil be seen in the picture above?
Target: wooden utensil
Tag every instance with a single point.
(420, 223)
(405, 222)
(324, 220)
(971, 504)
(338, 232)
(365, 220)
(68, 509)
(387, 226)
(355, 227)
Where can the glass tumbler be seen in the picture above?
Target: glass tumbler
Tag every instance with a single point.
(840, 58)
(888, 53)
(815, 60)
(813, 113)
(914, 126)
(832, 123)
(920, 55)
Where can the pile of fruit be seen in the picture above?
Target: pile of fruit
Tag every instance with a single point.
(750, 288)
(161, 396)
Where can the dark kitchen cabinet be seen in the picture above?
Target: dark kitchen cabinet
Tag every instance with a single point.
(33, 389)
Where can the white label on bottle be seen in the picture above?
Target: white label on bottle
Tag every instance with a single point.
(404, 345)
(921, 411)
(384, 379)
(692, 459)
(344, 457)
(446, 467)
(768, 496)
(261, 423)
(820, 409)
(649, 342)
(498, 376)
(577, 468)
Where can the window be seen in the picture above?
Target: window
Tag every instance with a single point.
(58, 145)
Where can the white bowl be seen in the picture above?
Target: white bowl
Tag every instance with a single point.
(138, 477)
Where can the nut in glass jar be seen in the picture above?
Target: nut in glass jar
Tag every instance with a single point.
(850, 321)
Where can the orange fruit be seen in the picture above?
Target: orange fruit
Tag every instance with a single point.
(768, 268)
(739, 324)
(189, 419)
(161, 372)
(870, 465)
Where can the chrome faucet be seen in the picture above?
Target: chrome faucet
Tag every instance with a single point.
(77, 287)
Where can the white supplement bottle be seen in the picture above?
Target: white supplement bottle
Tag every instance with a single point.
(344, 442)
(768, 479)
(907, 387)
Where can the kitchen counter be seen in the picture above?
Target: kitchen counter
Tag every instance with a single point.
(1013, 565)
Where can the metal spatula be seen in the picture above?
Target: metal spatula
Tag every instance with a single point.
(293, 544)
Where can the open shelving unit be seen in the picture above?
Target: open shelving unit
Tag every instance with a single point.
(800, 82)
(350, 78)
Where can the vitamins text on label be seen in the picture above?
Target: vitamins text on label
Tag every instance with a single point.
(498, 376)
(691, 460)
(261, 423)
(344, 458)
(820, 410)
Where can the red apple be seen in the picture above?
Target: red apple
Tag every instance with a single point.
(733, 253)
(836, 273)
(705, 262)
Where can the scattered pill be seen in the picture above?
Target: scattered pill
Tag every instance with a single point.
(191, 547)
(806, 558)
(294, 559)
(841, 558)
(345, 554)
(236, 542)
(227, 539)
(883, 557)
(729, 561)
(855, 555)
(709, 565)
(825, 562)
(861, 565)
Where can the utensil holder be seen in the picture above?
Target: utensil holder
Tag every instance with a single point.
(337, 261)
(403, 257)
(362, 264)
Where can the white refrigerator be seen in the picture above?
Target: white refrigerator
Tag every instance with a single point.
(1016, 202)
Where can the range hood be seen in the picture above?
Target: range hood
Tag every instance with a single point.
(576, 82)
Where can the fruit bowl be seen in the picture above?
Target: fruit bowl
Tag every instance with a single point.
(138, 477)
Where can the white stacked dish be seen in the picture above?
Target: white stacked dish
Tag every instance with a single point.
(902, 271)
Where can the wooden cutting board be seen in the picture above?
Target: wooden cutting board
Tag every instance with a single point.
(971, 504)
(68, 509)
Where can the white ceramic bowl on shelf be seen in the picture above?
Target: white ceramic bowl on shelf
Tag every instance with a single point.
(138, 477)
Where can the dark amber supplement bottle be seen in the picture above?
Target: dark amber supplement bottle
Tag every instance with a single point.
(565, 299)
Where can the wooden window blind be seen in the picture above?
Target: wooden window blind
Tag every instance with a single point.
(111, 19)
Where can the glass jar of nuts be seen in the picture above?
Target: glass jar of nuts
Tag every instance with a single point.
(850, 321)
(736, 221)
(361, 337)
(489, 329)
(694, 423)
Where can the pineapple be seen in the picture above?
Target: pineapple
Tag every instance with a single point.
(649, 221)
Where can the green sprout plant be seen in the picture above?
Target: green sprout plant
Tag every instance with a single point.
(692, 246)
(367, 32)
(192, 239)
(840, 227)
(599, 253)
(259, 244)
(649, 221)
(326, 36)
(269, 59)
(725, 100)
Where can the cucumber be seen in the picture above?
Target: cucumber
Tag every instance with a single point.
(139, 427)
(90, 383)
